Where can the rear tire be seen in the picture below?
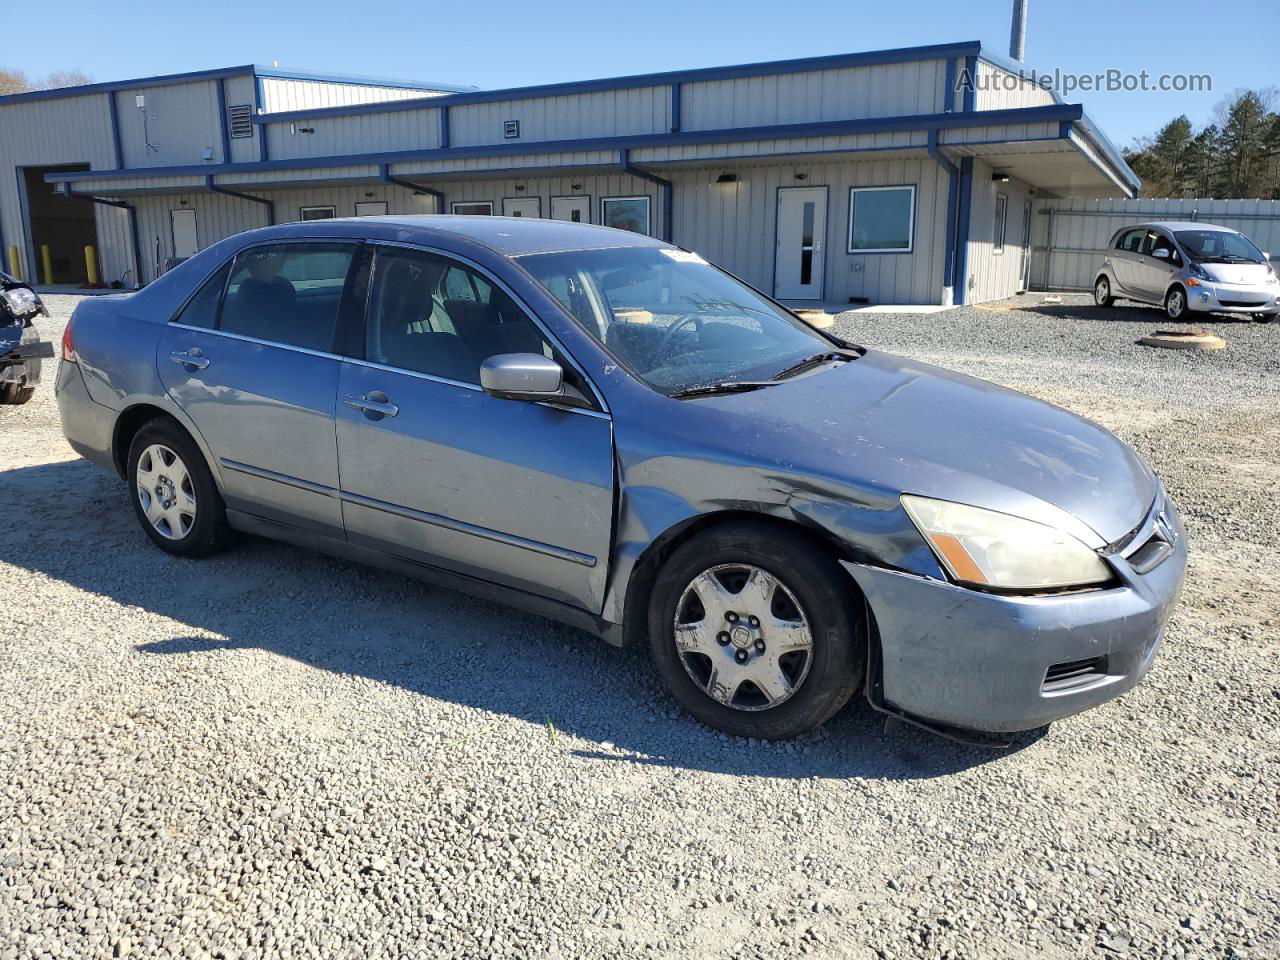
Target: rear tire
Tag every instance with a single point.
(1175, 304)
(790, 618)
(173, 492)
(1102, 293)
(16, 394)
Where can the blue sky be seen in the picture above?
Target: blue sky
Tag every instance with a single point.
(503, 43)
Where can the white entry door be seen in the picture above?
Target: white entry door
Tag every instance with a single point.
(183, 223)
(522, 206)
(573, 209)
(800, 253)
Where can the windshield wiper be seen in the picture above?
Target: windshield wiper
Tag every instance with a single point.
(813, 361)
(728, 386)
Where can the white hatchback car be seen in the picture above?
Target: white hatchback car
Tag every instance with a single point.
(1185, 267)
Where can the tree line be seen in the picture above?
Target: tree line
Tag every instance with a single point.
(1235, 155)
(16, 81)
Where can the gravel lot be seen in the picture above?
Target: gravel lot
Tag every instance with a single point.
(271, 753)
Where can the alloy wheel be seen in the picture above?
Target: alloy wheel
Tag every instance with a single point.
(166, 492)
(1176, 305)
(743, 637)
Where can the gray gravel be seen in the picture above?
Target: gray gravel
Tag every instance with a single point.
(271, 753)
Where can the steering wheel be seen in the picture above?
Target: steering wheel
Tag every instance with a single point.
(688, 319)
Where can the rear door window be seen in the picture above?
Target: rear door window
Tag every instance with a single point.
(1131, 240)
(288, 293)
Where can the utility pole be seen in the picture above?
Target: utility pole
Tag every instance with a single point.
(1018, 34)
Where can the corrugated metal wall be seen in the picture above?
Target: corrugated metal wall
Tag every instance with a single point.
(608, 113)
(334, 136)
(885, 90)
(994, 276)
(182, 123)
(280, 94)
(62, 131)
(998, 89)
(732, 224)
(1069, 245)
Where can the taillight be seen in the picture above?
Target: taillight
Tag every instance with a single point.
(68, 346)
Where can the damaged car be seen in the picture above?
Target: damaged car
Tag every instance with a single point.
(21, 349)
(606, 429)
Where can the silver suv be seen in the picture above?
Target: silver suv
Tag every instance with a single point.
(1188, 267)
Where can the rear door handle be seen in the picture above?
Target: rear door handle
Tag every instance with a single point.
(192, 359)
(375, 405)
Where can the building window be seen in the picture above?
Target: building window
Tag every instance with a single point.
(240, 120)
(510, 129)
(318, 213)
(371, 208)
(881, 219)
(473, 209)
(626, 213)
(999, 222)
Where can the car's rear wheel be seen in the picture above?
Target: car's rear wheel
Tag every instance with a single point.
(173, 492)
(1175, 304)
(16, 393)
(754, 629)
(1102, 293)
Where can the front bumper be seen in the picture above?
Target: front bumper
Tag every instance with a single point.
(1215, 297)
(999, 663)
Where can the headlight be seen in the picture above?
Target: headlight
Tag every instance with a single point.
(21, 301)
(1200, 272)
(990, 549)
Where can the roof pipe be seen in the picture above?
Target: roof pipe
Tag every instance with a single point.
(132, 213)
(952, 228)
(624, 161)
(1018, 32)
(384, 174)
(270, 204)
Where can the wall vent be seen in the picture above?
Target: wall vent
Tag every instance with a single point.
(510, 129)
(240, 120)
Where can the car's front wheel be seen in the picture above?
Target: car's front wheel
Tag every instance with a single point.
(173, 492)
(756, 631)
(1102, 293)
(16, 393)
(1175, 304)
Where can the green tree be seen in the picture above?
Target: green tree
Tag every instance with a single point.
(1245, 123)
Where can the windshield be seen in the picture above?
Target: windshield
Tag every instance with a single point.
(672, 319)
(1219, 246)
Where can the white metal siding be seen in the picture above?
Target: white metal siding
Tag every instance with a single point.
(609, 113)
(1068, 257)
(50, 132)
(884, 90)
(733, 225)
(280, 94)
(1006, 91)
(184, 124)
(994, 276)
(359, 133)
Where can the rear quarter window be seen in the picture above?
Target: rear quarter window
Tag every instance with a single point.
(202, 309)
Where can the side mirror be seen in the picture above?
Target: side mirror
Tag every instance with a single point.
(1163, 253)
(522, 376)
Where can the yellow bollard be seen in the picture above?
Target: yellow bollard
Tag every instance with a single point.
(90, 263)
(15, 265)
(46, 261)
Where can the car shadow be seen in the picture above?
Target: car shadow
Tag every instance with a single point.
(1130, 313)
(76, 526)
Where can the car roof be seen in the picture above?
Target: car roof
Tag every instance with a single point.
(507, 236)
(1180, 225)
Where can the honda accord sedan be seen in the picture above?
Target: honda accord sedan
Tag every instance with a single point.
(608, 430)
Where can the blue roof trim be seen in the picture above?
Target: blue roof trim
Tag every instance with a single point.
(351, 78)
(111, 86)
(1047, 114)
(1091, 131)
(761, 69)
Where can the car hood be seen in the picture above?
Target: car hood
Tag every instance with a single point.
(893, 425)
(1242, 273)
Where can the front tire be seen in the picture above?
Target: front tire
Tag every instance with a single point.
(15, 394)
(1175, 304)
(173, 493)
(754, 630)
(1102, 293)
(1265, 317)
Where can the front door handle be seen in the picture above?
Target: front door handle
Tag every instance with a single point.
(375, 405)
(191, 359)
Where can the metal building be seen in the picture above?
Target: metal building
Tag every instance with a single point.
(894, 176)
